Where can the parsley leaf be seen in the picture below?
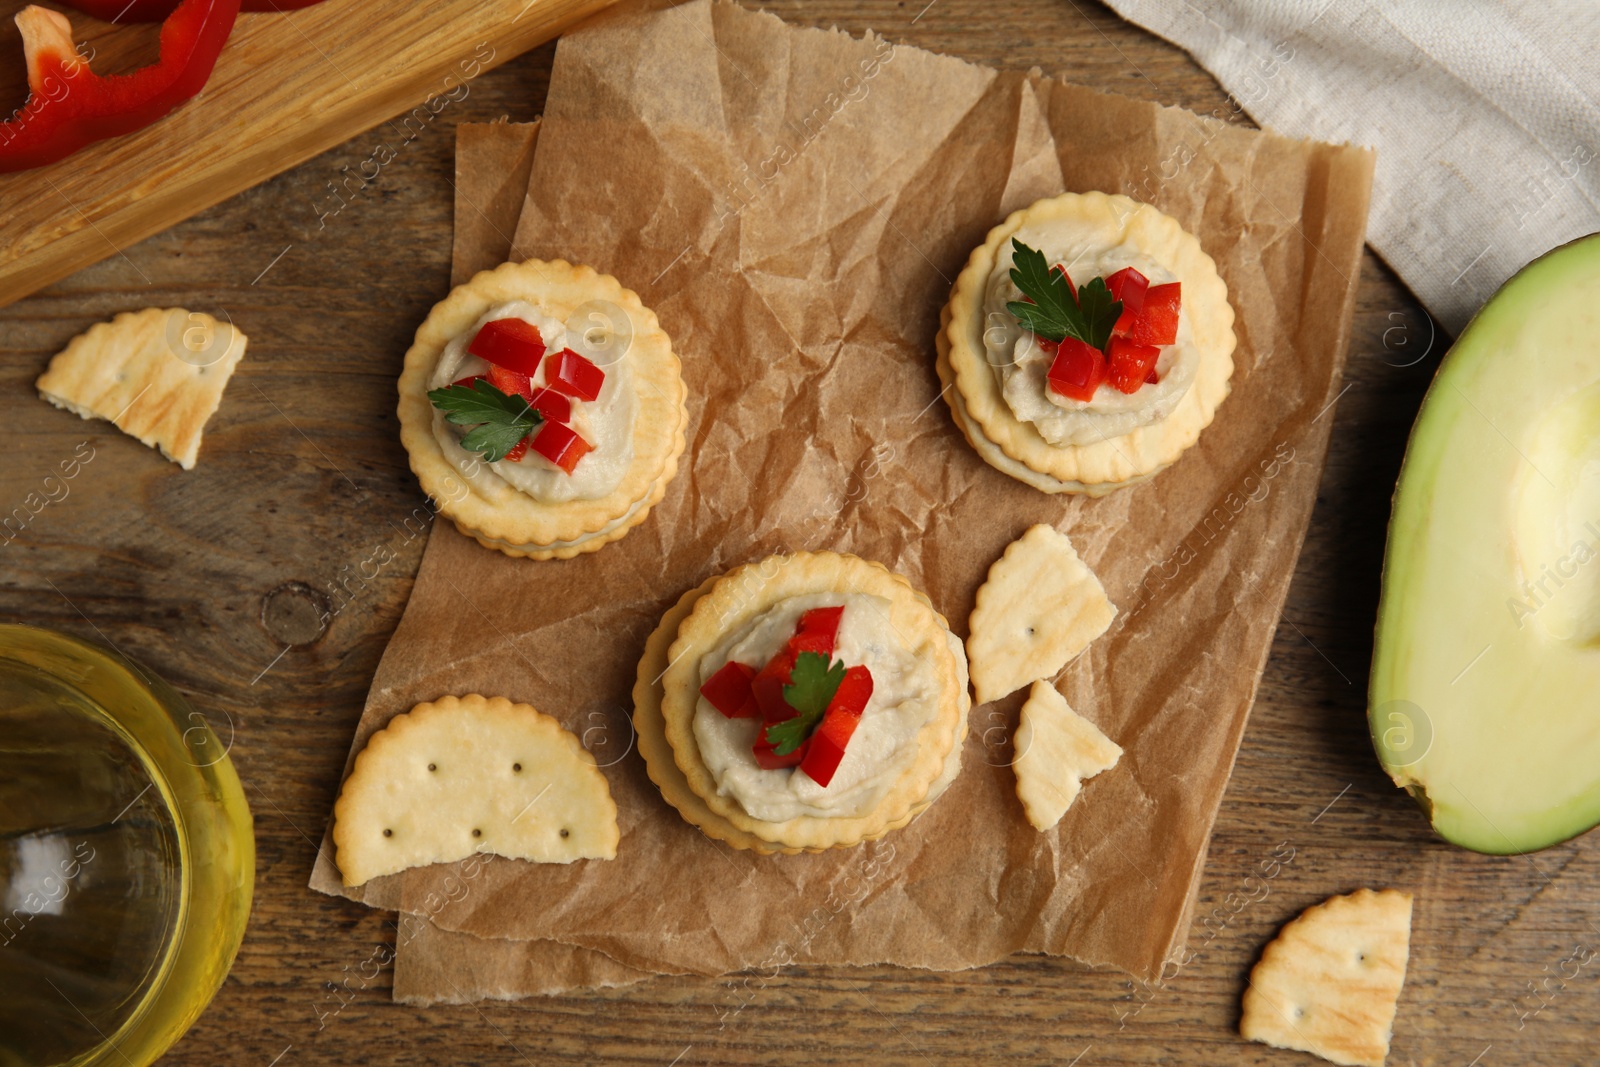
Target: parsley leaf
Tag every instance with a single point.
(811, 686)
(1053, 313)
(499, 421)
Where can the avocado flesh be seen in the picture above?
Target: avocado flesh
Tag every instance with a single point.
(1485, 693)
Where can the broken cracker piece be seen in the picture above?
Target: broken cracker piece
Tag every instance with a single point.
(1040, 606)
(1057, 749)
(459, 776)
(1329, 982)
(156, 374)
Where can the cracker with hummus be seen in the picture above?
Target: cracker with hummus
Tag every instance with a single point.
(805, 702)
(1088, 341)
(543, 409)
(157, 375)
(1057, 749)
(459, 776)
(1330, 982)
(1039, 608)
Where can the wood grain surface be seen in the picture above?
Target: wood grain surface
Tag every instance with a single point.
(219, 577)
(287, 86)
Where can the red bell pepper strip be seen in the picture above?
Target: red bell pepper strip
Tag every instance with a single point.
(510, 382)
(1130, 364)
(70, 106)
(1077, 371)
(561, 445)
(518, 450)
(817, 630)
(567, 372)
(1128, 286)
(126, 11)
(767, 757)
(728, 691)
(551, 404)
(1157, 323)
(825, 747)
(509, 343)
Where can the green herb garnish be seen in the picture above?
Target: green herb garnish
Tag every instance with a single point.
(1054, 314)
(811, 686)
(499, 420)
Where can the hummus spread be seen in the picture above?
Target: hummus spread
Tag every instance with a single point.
(605, 422)
(905, 697)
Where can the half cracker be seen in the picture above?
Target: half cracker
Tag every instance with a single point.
(1040, 606)
(157, 375)
(1057, 749)
(472, 774)
(1329, 983)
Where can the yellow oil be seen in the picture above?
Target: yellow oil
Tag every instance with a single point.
(127, 859)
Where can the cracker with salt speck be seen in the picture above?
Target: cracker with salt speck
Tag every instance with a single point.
(1040, 606)
(1329, 983)
(156, 374)
(472, 774)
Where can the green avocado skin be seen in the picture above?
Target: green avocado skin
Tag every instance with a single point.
(1484, 699)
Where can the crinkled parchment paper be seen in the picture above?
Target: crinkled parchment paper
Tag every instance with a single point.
(794, 204)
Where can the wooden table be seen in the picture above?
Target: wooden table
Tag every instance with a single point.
(217, 578)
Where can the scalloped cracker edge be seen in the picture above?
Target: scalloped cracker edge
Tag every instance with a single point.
(1057, 750)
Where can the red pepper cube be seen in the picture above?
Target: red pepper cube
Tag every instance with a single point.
(1157, 322)
(554, 406)
(1077, 371)
(509, 343)
(1152, 378)
(768, 759)
(729, 692)
(768, 685)
(567, 372)
(518, 450)
(561, 445)
(817, 631)
(510, 382)
(1128, 286)
(825, 747)
(1131, 364)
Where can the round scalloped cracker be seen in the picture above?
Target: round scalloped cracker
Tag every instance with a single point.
(490, 509)
(1037, 610)
(671, 692)
(1330, 982)
(459, 776)
(980, 408)
(663, 769)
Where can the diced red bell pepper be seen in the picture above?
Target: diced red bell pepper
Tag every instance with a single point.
(1128, 286)
(768, 685)
(729, 691)
(1157, 323)
(510, 382)
(552, 405)
(817, 631)
(1078, 370)
(70, 106)
(509, 343)
(1130, 364)
(825, 747)
(567, 372)
(560, 444)
(1152, 378)
(768, 759)
(518, 450)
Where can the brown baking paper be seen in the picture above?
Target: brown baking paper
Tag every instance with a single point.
(794, 204)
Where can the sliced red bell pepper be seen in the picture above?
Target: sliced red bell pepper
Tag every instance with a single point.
(560, 444)
(825, 747)
(518, 450)
(817, 630)
(70, 106)
(509, 343)
(768, 685)
(567, 372)
(510, 382)
(551, 404)
(126, 11)
(1077, 371)
(729, 691)
(1157, 323)
(1128, 286)
(768, 759)
(1130, 364)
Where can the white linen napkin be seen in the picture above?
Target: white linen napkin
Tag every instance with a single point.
(1484, 116)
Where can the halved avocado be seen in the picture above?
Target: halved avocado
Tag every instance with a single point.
(1485, 695)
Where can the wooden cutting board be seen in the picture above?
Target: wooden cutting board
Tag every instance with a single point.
(287, 87)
